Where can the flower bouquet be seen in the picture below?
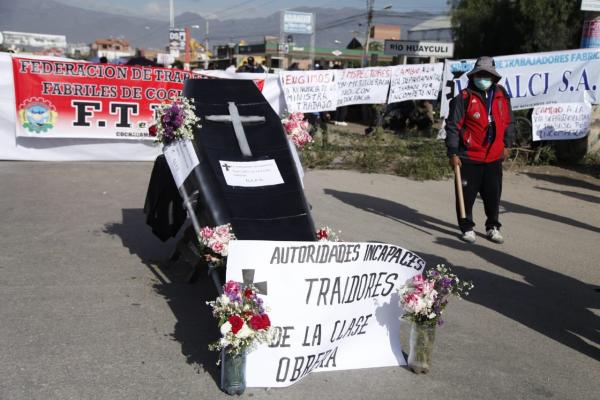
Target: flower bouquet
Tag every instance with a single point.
(424, 300)
(326, 234)
(175, 120)
(297, 129)
(214, 243)
(244, 323)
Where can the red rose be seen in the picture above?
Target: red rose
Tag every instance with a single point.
(248, 293)
(266, 322)
(322, 234)
(152, 130)
(256, 322)
(236, 323)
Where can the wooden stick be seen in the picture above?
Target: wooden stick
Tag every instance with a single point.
(459, 192)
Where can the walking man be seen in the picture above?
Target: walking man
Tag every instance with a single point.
(479, 130)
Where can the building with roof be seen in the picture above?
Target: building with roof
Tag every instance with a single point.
(78, 50)
(435, 29)
(267, 53)
(112, 48)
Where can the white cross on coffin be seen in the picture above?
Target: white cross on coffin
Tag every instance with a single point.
(238, 125)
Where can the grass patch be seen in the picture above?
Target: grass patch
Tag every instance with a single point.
(427, 160)
(380, 152)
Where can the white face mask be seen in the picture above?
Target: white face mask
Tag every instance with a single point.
(482, 83)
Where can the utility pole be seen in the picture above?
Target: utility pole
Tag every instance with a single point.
(188, 34)
(370, 5)
(206, 44)
(171, 14)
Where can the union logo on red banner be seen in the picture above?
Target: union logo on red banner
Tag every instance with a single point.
(37, 114)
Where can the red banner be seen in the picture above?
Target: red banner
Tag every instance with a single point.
(82, 100)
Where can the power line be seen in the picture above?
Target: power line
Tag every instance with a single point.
(250, 8)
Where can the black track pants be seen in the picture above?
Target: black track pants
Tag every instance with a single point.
(485, 179)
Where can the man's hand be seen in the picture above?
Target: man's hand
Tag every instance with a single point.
(506, 153)
(454, 161)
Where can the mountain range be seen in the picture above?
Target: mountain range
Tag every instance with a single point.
(335, 27)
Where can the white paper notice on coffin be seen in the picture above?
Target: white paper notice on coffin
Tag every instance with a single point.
(251, 173)
(332, 305)
(182, 159)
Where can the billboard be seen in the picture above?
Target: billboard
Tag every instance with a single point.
(298, 22)
(176, 41)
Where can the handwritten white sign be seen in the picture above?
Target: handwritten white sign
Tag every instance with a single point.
(561, 121)
(309, 91)
(415, 82)
(181, 158)
(251, 173)
(333, 305)
(362, 85)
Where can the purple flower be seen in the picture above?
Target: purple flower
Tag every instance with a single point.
(259, 303)
(174, 116)
(233, 296)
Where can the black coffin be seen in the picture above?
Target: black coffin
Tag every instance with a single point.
(275, 212)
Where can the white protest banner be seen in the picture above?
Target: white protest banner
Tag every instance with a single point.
(561, 121)
(181, 158)
(362, 85)
(535, 79)
(333, 305)
(309, 91)
(251, 173)
(590, 5)
(415, 82)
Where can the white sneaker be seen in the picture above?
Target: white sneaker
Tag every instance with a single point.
(494, 235)
(469, 237)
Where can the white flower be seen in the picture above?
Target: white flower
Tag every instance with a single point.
(245, 331)
(224, 299)
(225, 328)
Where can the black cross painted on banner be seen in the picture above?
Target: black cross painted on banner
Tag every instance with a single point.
(248, 277)
(226, 166)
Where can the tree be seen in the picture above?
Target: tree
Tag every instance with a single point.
(551, 24)
(499, 27)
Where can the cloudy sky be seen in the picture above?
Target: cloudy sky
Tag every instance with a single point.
(226, 9)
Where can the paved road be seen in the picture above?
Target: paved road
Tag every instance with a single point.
(87, 313)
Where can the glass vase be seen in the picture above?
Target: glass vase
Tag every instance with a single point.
(422, 337)
(233, 372)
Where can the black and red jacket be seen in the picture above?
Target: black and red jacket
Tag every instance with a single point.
(467, 125)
